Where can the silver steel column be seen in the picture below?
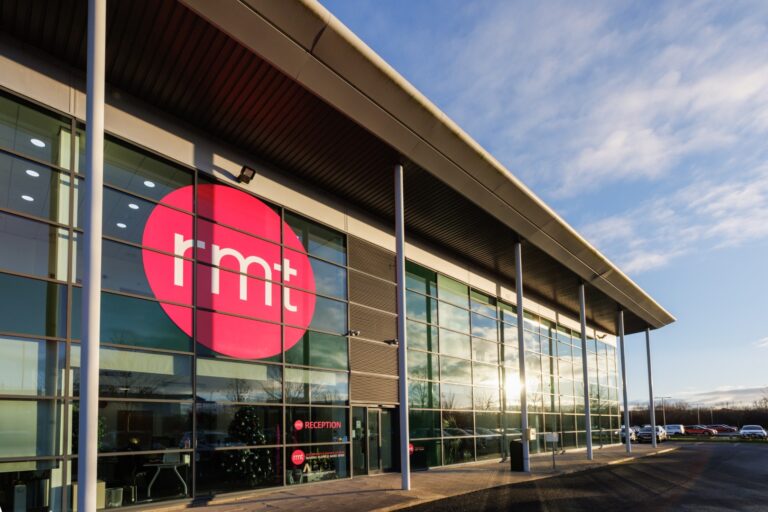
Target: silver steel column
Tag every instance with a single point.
(651, 406)
(405, 455)
(587, 413)
(91, 307)
(521, 352)
(624, 382)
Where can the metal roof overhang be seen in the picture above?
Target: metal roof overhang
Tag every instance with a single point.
(288, 82)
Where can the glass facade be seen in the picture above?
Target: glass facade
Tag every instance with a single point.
(178, 418)
(464, 379)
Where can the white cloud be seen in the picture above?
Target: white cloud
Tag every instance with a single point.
(762, 343)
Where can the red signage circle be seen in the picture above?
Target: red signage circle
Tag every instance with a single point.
(240, 278)
(298, 424)
(410, 448)
(298, 457)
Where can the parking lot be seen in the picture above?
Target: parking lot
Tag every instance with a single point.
(698, 476)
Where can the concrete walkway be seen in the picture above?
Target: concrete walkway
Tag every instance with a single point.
(382, 492)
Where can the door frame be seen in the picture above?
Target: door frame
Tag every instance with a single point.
(366, 446)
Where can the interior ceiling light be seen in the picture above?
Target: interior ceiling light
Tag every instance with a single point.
(32, 173)
(37, 142)
(28, 198)
(121, 225)
(149, 184)
(133, 206)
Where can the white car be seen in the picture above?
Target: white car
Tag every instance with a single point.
(753, 431)
(675, 430)
(646, 434)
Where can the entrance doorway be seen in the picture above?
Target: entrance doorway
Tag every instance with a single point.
(373, 440)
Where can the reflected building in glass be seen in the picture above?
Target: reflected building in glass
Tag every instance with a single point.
(249, 332)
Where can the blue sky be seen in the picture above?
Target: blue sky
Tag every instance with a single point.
(643, 124)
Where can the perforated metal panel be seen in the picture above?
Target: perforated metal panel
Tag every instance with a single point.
(371, 259)
(373, 357)
(371, 389)
(372, 324)
(372, 292)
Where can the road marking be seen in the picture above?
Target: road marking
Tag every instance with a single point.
(667, 450)
(619, 461)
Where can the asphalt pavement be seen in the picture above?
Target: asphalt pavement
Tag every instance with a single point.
(699, 477)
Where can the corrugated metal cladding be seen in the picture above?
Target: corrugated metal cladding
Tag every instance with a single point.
(373, 324)
(371, 259)
(373, 357)
(371, 389)
(166, 55)
(372, 292)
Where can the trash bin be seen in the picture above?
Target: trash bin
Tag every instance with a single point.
(516, 455)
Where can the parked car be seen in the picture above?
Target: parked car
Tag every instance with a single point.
(675, 429)
(753, 432)
(646, 435)
(699, 430)
(724, 429)
(632, 434)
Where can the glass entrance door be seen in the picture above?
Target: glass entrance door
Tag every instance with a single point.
(373, 440)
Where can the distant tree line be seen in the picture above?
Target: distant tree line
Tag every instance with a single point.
(680, 411)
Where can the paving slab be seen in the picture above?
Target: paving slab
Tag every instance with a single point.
(382, 492)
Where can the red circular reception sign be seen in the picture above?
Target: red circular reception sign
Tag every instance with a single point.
(298, 457)
(239, 278)
(298, 425)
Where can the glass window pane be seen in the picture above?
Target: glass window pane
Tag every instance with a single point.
(453, 317)
(318, 240)
(234, 381)
(423, 394)
(329, 279)
(330, 316)
(35, 307)
(488, 448)
(487, 423)
(422, 365)
(452, 291)
(509, 334)
(421, 307)
(138, 426)
(482, 303)
(422, 336)
(30, 428)
(238, 470)
(316, 425)
(455, 344)
(237, 425)
(459, 450)
(34, 189)
(455, 370)
(426, 454)
(319, 349)
(30, 130)
(307, 464)
(134, 374)
(131, 169)
(455, 396)
(138, 322)
(487, 399)
(31, 247)
(484, 327)
(485, 351)
(420, 279)
(31, 367)
(485, 375)
(457, 424)
(315, 386)
(508, 313)
(424, 424)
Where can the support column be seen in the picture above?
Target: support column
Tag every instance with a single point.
(405, 455)
(651, 405)
(624, 381)
(91, 307)
(521, 357)
(587, 411)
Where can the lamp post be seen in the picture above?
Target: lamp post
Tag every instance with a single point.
(663, 411)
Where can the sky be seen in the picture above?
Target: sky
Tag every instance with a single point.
(644, 125)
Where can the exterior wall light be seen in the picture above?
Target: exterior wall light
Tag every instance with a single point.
(246, 175)
(353, 333)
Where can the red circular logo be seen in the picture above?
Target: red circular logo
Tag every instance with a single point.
(239, 278)
(410, 448)
(298, 457)
(298, 424)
